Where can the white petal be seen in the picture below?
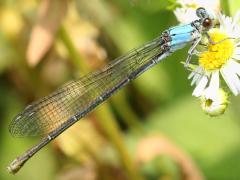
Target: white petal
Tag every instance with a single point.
(235, 25)
(236, 18)
(214, 83)
(235, 66)
(185, 15)
(236, 54)
(230, 80)
(237, 43)
(221, 18)
(198, 91)
(235, 80)
(196, 79)
(237, 50)
(236, 57)
(213, 88)
(196, 74)
(235, 32)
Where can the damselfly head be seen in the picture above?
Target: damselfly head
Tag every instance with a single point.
(206, 19)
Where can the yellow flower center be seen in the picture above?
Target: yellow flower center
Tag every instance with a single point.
(217, 54)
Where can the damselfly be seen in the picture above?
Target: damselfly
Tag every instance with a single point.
(56, 112)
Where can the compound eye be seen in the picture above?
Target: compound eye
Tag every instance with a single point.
(207, 23)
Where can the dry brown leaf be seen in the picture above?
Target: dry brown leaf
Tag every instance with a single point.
(50, 16)
(84, 36)
(154, 145)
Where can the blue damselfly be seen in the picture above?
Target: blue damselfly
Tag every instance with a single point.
(56, 112)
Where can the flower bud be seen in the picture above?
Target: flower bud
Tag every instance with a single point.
(214, 104)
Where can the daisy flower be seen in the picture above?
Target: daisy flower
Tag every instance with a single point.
(187, 12)
(220, 60)
(214, 104)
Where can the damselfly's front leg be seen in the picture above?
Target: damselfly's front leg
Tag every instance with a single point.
(191, 52)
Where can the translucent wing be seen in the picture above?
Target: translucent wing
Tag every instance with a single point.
(74, 98)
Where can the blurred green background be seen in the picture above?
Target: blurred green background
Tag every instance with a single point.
(151, 129)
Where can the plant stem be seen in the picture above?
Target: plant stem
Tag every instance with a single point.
(125, 111)
(104, 114)
(75, 57)
(111, 129)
